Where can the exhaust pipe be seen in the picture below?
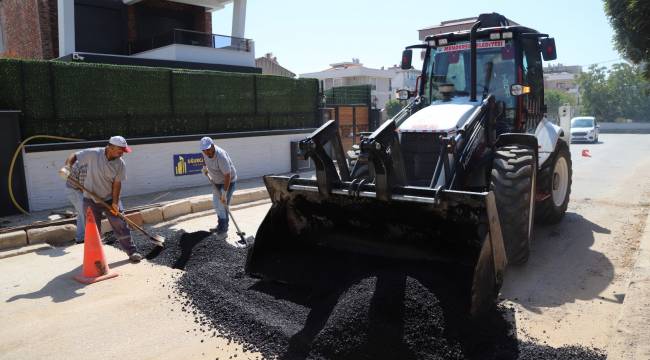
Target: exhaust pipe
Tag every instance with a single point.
(472, 55)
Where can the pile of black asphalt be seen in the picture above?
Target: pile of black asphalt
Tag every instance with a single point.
(354, 308)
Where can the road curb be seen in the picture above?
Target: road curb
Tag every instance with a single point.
(630, 341)
(17, 243)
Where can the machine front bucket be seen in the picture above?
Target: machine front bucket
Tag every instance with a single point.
(304, 231)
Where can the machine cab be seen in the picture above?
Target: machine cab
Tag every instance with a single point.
(508, 66)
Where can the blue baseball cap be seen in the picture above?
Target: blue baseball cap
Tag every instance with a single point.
(206, 143)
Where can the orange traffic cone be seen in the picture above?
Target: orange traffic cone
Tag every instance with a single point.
(586, 153)
(95, 267)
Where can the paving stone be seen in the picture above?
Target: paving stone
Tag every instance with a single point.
(13, 239)
(53, 235)
(152, 215)
(175, 209)
(201, 203)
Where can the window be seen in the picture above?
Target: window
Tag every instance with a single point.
(532, 63)
(390, 85)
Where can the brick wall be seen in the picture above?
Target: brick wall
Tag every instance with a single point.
(21, 27)
(48, 18)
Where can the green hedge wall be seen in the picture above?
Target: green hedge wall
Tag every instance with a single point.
(348, 95)
(94, 101)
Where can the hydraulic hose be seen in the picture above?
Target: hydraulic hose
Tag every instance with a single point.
(13, 162)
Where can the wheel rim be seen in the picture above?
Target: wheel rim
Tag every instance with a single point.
(560, 181)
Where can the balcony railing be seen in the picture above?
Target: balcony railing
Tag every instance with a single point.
(189, 37)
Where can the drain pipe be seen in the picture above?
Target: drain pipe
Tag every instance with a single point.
(472, 55)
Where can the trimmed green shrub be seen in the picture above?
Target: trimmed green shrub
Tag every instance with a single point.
(85, 91)
(39, 102)
(94, 101)
(276, 94)
(11, 93)
(211, 92)
(348, 95)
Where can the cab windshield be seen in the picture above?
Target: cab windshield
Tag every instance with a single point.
(495, 66)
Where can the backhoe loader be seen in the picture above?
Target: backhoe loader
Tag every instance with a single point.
(455, 177)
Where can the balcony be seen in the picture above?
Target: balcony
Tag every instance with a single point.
(194, 46)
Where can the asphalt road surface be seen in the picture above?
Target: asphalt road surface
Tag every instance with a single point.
(569, 293)
(572, 288)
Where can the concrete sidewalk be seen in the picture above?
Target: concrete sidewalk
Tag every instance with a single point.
(161, 206)
(632, 338)
(131, 202)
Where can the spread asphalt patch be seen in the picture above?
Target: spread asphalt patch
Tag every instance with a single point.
(376, 310)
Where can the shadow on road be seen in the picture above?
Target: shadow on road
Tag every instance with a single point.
(562, 267)
(52, 252)
(63, 287)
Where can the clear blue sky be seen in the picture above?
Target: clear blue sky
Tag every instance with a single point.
(307, 35)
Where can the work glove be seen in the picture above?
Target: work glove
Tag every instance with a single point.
(115, 209)
(204, 170)
(64, 172)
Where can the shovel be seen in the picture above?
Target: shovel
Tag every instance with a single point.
(243, 240)
(156, 239)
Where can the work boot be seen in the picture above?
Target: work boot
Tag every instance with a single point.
(135, 257)
(222, 235)
(78, 241)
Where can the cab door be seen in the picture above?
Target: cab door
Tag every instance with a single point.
(532, 104)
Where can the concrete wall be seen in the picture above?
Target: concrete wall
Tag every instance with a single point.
(624, 128)
(201, 54)
(150, 167)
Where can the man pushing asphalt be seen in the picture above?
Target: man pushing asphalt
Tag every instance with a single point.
(105, 171)
(224, 176)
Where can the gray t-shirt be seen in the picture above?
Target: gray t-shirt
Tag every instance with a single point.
(78, 173)
(100, 172)
(220, 165)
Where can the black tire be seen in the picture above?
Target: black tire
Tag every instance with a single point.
(551, 210)
(513, 183)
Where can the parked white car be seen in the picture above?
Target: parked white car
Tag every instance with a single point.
(584, 128)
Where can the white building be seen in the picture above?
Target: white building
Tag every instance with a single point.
(404, 79)
(353, 72)
(130, 32)
(270, 66)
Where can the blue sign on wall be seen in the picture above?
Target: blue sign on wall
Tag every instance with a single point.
(188, 164)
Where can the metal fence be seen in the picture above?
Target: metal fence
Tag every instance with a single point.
(189, 37)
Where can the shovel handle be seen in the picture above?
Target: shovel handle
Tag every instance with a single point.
(225, 205)
(108, 207)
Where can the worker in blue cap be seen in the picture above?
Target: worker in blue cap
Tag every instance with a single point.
(223, 175)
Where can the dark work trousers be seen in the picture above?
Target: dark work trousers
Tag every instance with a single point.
(120, 229)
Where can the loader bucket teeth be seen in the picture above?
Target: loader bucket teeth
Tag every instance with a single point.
(303, 230)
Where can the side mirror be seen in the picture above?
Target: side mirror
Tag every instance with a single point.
(548, 49)
(403, 94)
(517, 89)
(407, 59)
(597, 126)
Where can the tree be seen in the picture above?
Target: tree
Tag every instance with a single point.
(554, 99)
(393, 107)
(620, 92)
(631, 24)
